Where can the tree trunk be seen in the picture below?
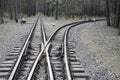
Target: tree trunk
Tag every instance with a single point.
(1, 12)
(44, 7)
(16, 11)
(10, 10)
(56, 14)
(1, 8)
(66, 9)
(107, 13)
(117, 14)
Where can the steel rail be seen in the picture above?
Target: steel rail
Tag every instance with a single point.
(12, 75)
(74, 23)
(47, 54)
(40, 56)
(41, 53)
(37, 60)
(66, 58)
(49, 63)
(69, 77)
(44, 49)
(66, 62)
(43, 31)
(35, 63)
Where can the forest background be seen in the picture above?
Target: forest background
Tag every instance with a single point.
(109, 9)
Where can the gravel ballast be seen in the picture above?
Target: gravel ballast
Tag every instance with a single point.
(97, 45)
(98, 50)
(10, 34)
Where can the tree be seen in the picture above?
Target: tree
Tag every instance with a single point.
(16, 11)
(44, 7)
(107, 13)
(10, 10)
(56, 14)
(117, 20)
(1, 11)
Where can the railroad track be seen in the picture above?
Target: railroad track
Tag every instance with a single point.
(14, 63)
(57, 52)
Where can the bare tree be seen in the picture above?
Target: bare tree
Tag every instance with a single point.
(1, 11)
(56, 13)
(107, 12)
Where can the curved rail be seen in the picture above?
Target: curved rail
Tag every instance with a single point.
(16, 67)
(65, 51)
(43, 31)
(74, 23)
(65, 47)
(66, 58)
(35, 63)
(40, 55)
(49, 63)
(45, 48)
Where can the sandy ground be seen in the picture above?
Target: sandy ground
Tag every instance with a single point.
(8, 30)
(97, 44)
(10, 33)
(102, 43)
(51, 24)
